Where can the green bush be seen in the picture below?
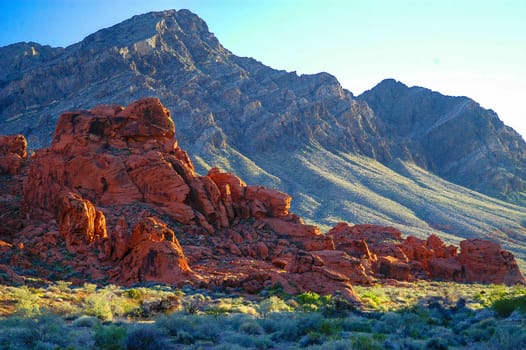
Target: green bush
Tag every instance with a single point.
(86, 321)
(353, 325)
(337, 307)
(505, 307)
(273, 304)
(251, 328)
(436, 344)
(46, 330)
(281, 327)
(110, 337)
(331, 326)
(312, 338)
(98, 305)
(27, 302)
(135, 294)
(365, 343)
(184, 337)
(145, 338)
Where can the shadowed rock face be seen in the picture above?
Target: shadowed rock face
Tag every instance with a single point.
(452, 136)
(117, 200)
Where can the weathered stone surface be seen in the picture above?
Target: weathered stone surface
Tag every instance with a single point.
(80, 223)
(13, 149)
(154, 255)
(485, 261)
(384, 254)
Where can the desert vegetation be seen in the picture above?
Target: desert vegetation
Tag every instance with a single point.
(421, 315)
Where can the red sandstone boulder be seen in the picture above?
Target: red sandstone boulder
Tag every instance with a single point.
(13, 150)
(80, 223)
(154, 255)
(485, 261)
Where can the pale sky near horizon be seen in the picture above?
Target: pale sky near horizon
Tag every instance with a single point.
(475, 48)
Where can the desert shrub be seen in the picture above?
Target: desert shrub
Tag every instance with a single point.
(365, 343)
(282, 327)
(184, 337)
(145, 338)
(228, 347)
(221, 307)
(374, 300)
(508, 337)
(337, 307)
(67, 310)
(273, 304)
(251, 328)
(436, 344)
(151, 308)
(506, 306)
(89, 287)
(243, 340)
(134, 293)
(263, 342)
(310, 322)
(244, 309)
(110, 337)
(27, 302)
(333, 345)
(310, 301)
(390, 322)
(194, 303)
(191, 327)
(46, 330)
(275, 289)
(98, 305)
(63, 286)
(312, 338)
(331, 326)
(210, 329)
(481, 331)
(444, 333)
(174, 323)
(86, 321)
(356, 325)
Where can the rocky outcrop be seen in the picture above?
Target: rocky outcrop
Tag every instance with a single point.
(384, 254)
(486, 261)
(13, 150)
(115, 199)
(117, 190)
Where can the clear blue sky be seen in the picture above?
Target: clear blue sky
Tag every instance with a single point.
(475, 48)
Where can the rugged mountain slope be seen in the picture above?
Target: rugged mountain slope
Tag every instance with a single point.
(302, 134)
(453, 137)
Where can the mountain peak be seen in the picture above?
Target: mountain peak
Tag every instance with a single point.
(146, 26)
(390, 83)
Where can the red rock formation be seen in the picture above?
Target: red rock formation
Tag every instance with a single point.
(485, 261)
(12, 152)
(114, 198)
(382, 250)
(154, 255)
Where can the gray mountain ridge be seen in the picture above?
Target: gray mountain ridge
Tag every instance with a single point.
(389, 156)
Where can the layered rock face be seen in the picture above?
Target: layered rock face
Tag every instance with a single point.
(115, 199)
